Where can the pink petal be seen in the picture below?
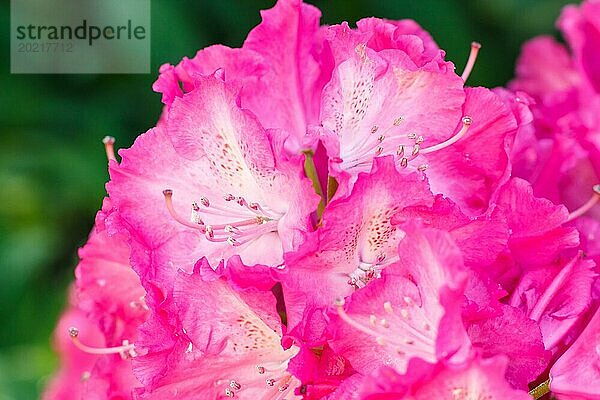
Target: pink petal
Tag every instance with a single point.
(229, 343)
(471, 170)
(236, 64)
(405, 35)
(477, 378)
(298, 65)
(537, 231)
(576, 372)
(556, 297)
(412, 311)
(581, 27)
(67, 383)
(108, 289)
(480, 239)
(543, 67)
(516, 336)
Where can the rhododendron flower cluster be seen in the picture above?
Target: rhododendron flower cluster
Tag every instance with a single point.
(329, 212)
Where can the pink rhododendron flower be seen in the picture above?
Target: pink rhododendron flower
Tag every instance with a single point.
(355, 242)
(96, 335)
(330, 213)
(379, 102)
(242, 190)
(75, 365)
(564, 87)
(561, 294)
(231, 344)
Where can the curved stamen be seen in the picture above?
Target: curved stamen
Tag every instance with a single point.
(213, 239)
(126, 350)
(234, 233)
(235, 225)
(109, 142)
(244, 238)
(471, 61)
(466, 122)
(588, 204)
(168, 193)
(551, 290)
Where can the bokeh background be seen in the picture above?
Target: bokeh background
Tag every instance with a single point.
(53, 168)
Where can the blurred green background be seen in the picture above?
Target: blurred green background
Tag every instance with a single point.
(53, 168)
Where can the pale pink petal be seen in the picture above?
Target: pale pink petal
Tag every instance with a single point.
(373, 108)
(223, 173)
(229, 343)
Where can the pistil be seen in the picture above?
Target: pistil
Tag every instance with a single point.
(471, 61)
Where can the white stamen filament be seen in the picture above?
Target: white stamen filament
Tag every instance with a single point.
(361, 152)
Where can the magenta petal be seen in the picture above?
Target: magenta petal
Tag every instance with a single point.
(537, 231)
(516, 336)
(576, 372)
(581, 27)
(290, 43)
(544, 66)
(471, 170)
(557, 297)
(477, 378)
